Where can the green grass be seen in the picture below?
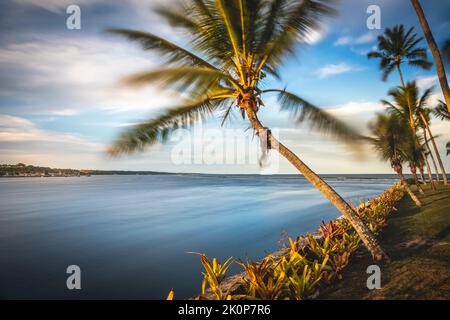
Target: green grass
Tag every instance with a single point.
(418, 242)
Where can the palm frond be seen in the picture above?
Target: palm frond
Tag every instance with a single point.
(317, 118)
(157, 130)
(441, 111)
(297, 22)
(174, 53)
(395, 47)
(180, 78)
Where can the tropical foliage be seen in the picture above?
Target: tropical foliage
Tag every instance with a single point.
(396, 47)
(233, 46)
(307, 265)
(392, 140)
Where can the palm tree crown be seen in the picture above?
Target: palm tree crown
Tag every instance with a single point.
(409, 104)
(395, 47)
(234, 45)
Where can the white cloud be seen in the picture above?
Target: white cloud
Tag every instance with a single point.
(56, 6)
(335, 69)
(355, 108)
(426, 82)
(342, 41)
(64, 76)
(362, 39)
(17, 129)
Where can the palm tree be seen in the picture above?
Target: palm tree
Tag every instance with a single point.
(414, 155)
(412, 109)
(234, 46)
(424, 116)
(389, 134)
(396, 47)
(434, 50)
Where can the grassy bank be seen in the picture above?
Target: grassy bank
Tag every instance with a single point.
(418, 241)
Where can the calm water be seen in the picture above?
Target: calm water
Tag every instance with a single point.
(130, 234)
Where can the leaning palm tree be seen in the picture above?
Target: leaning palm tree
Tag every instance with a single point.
(234, 45)
(434, 50)
(389, 134)
(412, 108)
(396, 47)
(427, 152)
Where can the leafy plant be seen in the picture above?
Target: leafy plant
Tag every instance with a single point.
(214, 274)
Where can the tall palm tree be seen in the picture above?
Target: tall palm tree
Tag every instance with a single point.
(424, 113)
(411, 107)
(234, 45)
(389, 133)
(396, 47)
(434, 50)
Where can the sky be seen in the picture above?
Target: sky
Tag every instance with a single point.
(62, 102)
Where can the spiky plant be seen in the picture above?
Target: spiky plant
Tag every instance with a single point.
(396, 47)
(233, 46)
(389, 132)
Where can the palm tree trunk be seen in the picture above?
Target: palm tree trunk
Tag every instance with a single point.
(436, 151)
(405, 185)
(347, 211)
(438, 178)
(401, 75)
(430, 176)
(416, 179)
(422, 175)
(434, 50)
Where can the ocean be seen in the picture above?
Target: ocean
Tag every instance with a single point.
(133, 236)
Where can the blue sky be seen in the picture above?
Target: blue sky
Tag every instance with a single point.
(61, 102)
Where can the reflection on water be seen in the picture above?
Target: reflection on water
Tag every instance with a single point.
(130, 234)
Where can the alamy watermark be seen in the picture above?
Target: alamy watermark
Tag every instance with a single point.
(373, 22)
(374, 280)
(213, 146)
(73, 21)
(74, 280)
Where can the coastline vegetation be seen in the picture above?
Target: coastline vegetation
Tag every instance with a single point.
(306, 266)
(23, 170)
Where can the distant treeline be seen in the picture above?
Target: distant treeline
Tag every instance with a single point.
(23, 170)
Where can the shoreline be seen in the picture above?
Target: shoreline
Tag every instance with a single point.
(233, 283)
